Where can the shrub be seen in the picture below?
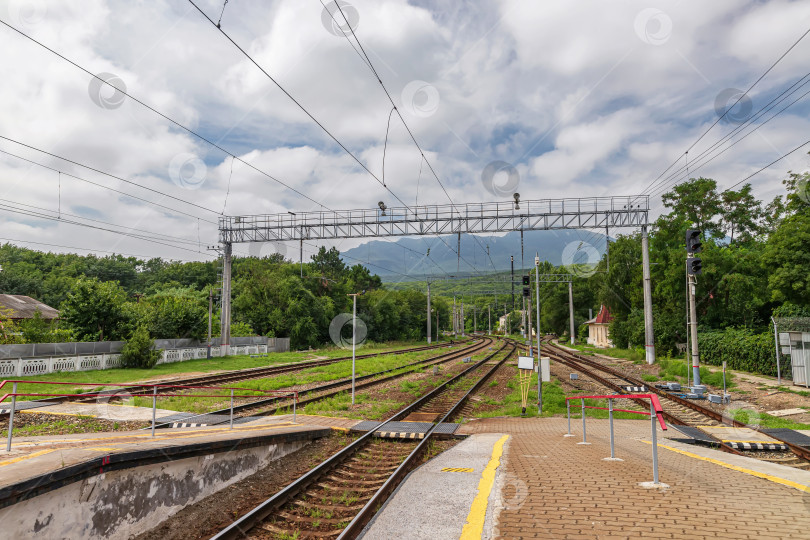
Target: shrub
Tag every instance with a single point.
(742, 349)
(137, 351)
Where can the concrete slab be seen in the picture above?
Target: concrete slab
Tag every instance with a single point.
(736, 434)
(105, 411)
(434, 502)
(787, 412)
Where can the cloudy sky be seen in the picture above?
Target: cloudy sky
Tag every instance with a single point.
(581, 98)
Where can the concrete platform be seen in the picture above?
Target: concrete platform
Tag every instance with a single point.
(39, 464)
(436, 498)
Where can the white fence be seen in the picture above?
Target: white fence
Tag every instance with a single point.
(43, 365)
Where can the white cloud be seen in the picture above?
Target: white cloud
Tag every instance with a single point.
(569, 93)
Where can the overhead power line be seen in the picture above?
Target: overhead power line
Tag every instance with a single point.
(88, 167)
(162, 115)
(732, 106)
(377, 76)
(94, 250)
(780, 158)
(695, 164)
(313, 118)
(173, 210)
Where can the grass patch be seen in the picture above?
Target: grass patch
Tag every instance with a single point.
(764, 420)
(649, 378)
(203, 365)
(553, 403)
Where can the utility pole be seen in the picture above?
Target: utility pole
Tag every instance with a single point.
(225, 333)
(512, 258)
(354, 335)
(475, 319)
(537, 304)
(693, 268)
(649, 337)
(428, 314)
(463, 325)
(210, 312)
(571, 308)
(455, 317)
(489, 317)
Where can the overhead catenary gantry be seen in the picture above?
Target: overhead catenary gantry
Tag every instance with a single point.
(491, 217)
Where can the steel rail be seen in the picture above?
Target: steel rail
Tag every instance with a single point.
(800, 451)
(356, 525)
(241, 526)
(235, 375)
(470, 349)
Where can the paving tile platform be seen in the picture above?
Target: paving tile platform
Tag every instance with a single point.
(548, 486)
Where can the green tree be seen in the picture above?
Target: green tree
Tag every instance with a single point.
(138, 350)
(741, 214)
(95, 311)
(695, 201)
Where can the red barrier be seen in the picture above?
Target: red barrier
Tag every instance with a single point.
(154, 387)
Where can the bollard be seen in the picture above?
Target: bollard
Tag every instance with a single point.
(610, 413)
(295, 401)
(612, 446)
(231, 409)
(584, 436)
(154, 408)
(653, 420)
(11, 417)
(568, 407)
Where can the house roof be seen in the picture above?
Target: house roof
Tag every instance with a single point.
(604, 316)
(24, 307)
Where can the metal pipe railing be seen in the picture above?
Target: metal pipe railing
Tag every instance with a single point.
(107, 395)
(655, 414)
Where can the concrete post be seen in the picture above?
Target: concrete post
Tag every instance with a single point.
(225, 333)
(693, 332)
(154, 408)
(649, 336)
(571, 310)
(231, 424)
(428, 313)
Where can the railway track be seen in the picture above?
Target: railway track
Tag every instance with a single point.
(677, 410)
(270, 406)
(228, 377)
(337, 498)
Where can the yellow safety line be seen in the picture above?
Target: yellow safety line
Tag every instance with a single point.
(775, 479)
(21, 458)
(336, 428)
(103, 448)
(474, 527)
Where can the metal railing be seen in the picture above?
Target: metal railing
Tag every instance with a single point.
(656, 413)
(108, 395)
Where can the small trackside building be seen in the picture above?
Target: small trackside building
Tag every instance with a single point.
(599, 329)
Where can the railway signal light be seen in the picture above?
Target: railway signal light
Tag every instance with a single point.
(693, 243)
(694, 266)
(525, 281)
(526, 292)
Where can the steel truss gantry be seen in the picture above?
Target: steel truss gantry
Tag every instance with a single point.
(495, 217)
(492, 217)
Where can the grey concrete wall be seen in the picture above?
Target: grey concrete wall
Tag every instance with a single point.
(122, 504)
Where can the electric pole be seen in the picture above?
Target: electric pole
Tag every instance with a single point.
(512, 258)
(694, 266)
(428, 314)
(210, 312)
